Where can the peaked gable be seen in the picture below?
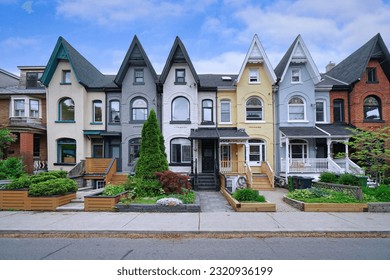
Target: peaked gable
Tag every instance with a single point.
(135, 56)
(256, 54)
(86, 74)
(298, 53)
(352, 68)
(178, 54)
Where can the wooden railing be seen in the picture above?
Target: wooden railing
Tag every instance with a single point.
(267, 169)
(96, 165)
(248, 173)
(232, 167)
(110, 171)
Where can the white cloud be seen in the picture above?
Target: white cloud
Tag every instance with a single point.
(226, 63)
(27, 6)
(20, 42)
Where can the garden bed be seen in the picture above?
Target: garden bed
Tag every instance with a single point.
(326, 207)
(248, 206)
(98, 202)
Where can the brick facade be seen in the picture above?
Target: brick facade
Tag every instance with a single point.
(27, 150)
(343, 95)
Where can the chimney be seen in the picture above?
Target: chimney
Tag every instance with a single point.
(330, 66)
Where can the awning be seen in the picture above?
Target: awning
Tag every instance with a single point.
(92, 132)
(204, 133)
(303, 132)
(218, 133)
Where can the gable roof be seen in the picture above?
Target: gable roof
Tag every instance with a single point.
(256, 54)
(135, 56)
(352, 68)
(86, 74)
(178, 54)
(297, 53)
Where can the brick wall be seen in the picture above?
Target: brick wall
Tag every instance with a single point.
(339, 95)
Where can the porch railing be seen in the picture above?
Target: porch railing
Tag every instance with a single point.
(310, 165)
(233, 167)
(110, 171)
(267, 169)
(354, 168)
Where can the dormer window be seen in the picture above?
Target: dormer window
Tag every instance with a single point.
(180, 77)
(66, 77)
(32, 79)
(254, 76)
(295, 75)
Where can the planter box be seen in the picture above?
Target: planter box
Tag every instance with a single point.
(99, 202)
(326, 207)
(135, 207)
(248, 206)
(19, 200)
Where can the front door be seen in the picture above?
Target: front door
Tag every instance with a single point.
(115, 152)
(208, 156)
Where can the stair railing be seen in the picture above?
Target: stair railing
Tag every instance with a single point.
(110, 171)
(267, 169)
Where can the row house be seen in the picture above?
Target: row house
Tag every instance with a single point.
(23, 112)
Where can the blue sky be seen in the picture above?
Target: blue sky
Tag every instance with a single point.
(217, 34)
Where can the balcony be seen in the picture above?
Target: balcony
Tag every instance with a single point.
(26, 122)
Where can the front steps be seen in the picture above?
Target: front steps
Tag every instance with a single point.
(77, 204)
(260, 181)
(206, 182)
(118, 179)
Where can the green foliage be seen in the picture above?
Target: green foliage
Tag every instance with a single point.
(11, 168)
(248, 195)
(152, 157)
(380, 193)
(328, 177)
(319, 195)
(59, 186)
(139, 187)
(6, 139)
(22, 182)
(173, 182)
(348, 179)
(187, 197)
(113, 190)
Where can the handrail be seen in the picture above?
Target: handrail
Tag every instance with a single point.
(196, 174)
(110, 171)
(267, 169)
(248, 173)
(333, 166)
(354, 168)
(78, 170)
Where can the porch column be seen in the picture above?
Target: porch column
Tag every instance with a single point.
(346, 156)
(192, 156)
(328, 143)
(27, 150)
(287, 159)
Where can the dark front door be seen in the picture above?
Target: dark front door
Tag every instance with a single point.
(208, 158)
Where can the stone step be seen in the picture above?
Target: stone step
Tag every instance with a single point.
(71, 207)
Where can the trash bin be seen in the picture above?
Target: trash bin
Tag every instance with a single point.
(305, 182)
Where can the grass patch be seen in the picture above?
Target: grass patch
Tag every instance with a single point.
(187, 198)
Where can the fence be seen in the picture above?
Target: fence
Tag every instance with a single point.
(354, 191)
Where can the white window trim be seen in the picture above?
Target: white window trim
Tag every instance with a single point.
(304, 110)
(261, 154)
(230, 111)
(299, 73)
(26, 107)
(325, 110)
(257, 75)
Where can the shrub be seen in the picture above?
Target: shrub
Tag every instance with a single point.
(328, 177)
(42, 178)
(173, 182)
(139, 187)
(113, 190)
(11, 168)
(381, 193)
(59, 186)
(321, 196)
(23, 182)
(348, 179)
(248, 195)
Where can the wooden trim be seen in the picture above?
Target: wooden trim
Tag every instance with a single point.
(102, 203)
(248, 206)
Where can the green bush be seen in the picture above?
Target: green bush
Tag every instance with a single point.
(348, 179)
(139, 187)
(42, 178)
(113, 190)
(381, 193)
(59, 186)
(23, 182)
(328, 177)
(11, 168)
(248, 195)
(319, 195)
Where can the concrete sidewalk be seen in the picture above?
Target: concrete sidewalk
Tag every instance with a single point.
(196, 223)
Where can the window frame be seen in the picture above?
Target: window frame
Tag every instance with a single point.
(209, 109)
(21, 111)
(255, 77)
(111, 111)
(33, 79)
(295, 105)
(66, 78)
(372, 77)
(262, 151)
(340, 107)
(134, 109)
(60, 111)
(367, 108)
(323, 102)
(185, 156)
(298, 71)
(180, 80)
(174, 119)
(136, 148)
(95, 119)
(60, 156)
(225, 113)
(254, 108)
(38, 111)
(142, 77)
(303, 144)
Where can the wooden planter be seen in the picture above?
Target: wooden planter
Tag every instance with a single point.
(99, 202)
(326, 207)
(19, 200)
(248, 206)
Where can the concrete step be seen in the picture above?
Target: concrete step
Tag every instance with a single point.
(71, 207)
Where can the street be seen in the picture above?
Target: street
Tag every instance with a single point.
(279, 248)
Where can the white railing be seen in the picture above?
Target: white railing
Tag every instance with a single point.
(354, 168)
(40, 165)
(310, 165)
(334, 167)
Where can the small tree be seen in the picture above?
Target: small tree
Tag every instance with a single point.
(6, 139)
(372, 150)
(151, 159)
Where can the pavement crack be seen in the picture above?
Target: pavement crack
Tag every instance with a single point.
(55, 251)
(131, 220)
(125, 255)
(279, 224)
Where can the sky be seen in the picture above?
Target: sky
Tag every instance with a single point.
(217, 34)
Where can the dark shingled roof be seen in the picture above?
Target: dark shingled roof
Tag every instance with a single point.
(86, 74)
(335, 129)
(215, 80)
(308, 132)
(217, 133)
(283, 63)
(352, 68)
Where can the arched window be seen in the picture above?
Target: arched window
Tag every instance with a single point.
(254, 109)
(372, 108)
(296, 109)
(139, 110)
(115, 113)
(180, 150)
(181, 109)
(207, 111)
(66, 151)
(256, 151)
(66, 109)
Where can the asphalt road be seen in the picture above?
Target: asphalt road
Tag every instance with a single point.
(195, 249)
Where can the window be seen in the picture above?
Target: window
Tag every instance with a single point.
(134, 149)
(296, 109)
(371, 75)
(207, 111)
(66, 151)
(115, 114)
(254, 109)
(320, 111)
(139, 110)
(97, 111)
(181, 109)
(256, 151)
(139, 76)
(36, 146)
(295, 75)
(66, 109)
(19, 107)
(225, 111)
(254, 75)
(180, 150)
(32, 79)
(180, 77)
(298, 149)
(34, 108)
(338, 110)
(372, 108)
(66, 77)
